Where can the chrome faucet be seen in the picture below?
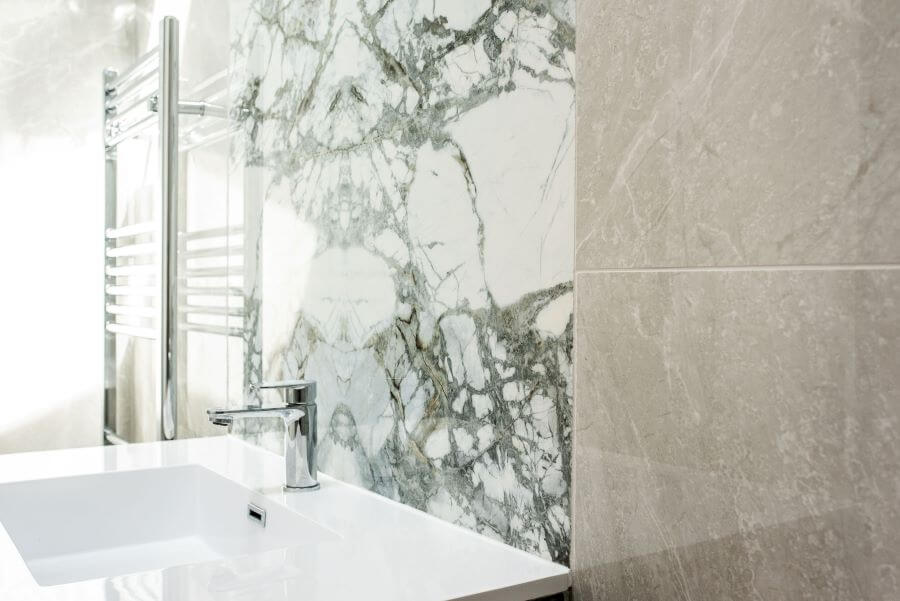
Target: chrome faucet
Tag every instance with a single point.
(299, 415)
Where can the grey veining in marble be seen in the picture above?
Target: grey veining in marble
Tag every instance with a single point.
(417, 234)
(738, 436)
(738, 133)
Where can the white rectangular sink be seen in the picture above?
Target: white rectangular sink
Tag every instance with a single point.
(83, 527)
(168, 521)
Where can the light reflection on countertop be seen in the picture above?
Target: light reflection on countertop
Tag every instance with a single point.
(385, 550)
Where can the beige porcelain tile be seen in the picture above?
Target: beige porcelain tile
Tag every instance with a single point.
(737, 436)
(737, 133)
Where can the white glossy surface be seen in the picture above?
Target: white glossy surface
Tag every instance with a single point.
(83, 527)
(348, 544)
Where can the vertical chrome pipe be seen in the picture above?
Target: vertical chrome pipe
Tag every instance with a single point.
(109, 338)
(168, 293)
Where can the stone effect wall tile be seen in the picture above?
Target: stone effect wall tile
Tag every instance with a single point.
(738, 435)
(737, 133)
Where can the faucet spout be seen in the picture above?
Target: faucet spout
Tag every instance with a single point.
(288, 413)
(300, 431)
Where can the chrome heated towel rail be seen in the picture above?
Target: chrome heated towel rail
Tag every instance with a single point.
(146, 261)
(133, 101)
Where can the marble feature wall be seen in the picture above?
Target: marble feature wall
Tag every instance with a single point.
(417, 180)
(737, 430)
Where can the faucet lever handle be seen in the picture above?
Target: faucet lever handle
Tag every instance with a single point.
(296, 392)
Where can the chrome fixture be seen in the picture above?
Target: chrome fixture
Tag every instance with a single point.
(159, 279)
(191, 107)
(125, 94)
(168, 242)
(300, 433)
(257, 514)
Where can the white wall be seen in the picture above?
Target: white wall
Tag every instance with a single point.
(52, 53)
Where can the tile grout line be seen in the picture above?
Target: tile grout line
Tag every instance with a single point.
(573, 429)
(716, 269)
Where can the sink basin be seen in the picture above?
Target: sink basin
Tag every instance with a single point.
(84, 527)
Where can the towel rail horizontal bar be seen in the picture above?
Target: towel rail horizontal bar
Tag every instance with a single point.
(211, 310)
(131, 130)
(135, 229)
(201, 128)
(133, 112)
(212, 272)
(207, 329)
(215, 232)
(132, 270)
(132, 250)
(134, 310)
(218, 81)
(211, 291)
(143, 291)
(138, 94)
(136, 331)
(137, 69)
(209, 139)
(215, 251)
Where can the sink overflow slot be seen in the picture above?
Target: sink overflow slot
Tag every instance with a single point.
(256, 514)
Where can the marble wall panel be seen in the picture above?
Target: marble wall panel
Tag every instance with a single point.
(417, 199)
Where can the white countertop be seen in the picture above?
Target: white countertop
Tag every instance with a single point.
(385, 551)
